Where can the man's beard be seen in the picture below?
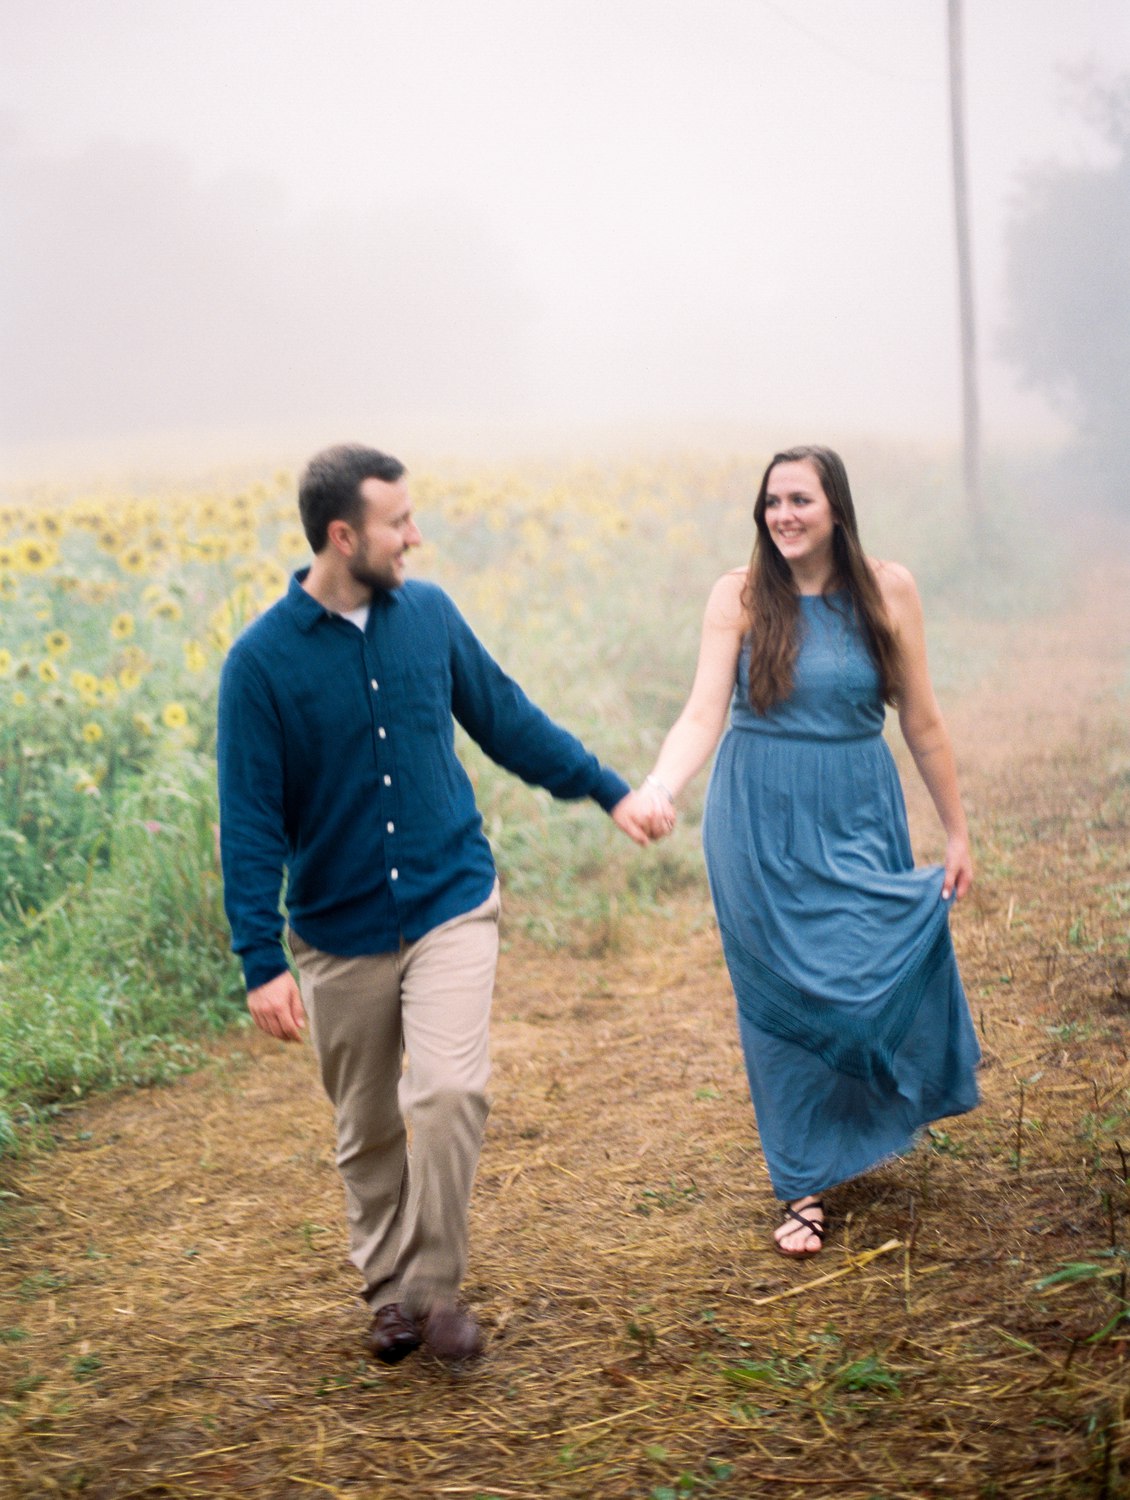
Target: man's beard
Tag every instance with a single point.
(382, 580)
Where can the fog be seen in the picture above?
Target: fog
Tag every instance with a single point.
(264, 224)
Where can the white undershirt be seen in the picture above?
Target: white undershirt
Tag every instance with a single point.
(357, 616)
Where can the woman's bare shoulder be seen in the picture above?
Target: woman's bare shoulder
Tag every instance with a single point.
(725, 605)
(895, 581)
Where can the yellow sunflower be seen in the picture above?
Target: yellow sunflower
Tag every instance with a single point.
(92, 732)
(244, 541)
(135, 658)
(195, 656)
(133, 560)
(35, 554)
(292, 542)
(48, 671)
(271, 580)
(211, 547)
(5, 662)
(174, 716)
(58, 642)
(121, 626)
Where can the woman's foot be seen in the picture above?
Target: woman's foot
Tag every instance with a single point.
(802, 1232)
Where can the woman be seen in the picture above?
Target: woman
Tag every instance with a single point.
(853, 1021)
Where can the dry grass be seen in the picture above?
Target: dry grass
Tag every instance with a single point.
(178, 1318)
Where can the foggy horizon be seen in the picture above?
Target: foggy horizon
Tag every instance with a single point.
(235, 231)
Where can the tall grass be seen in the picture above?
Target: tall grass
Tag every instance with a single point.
(121, 980)
(116, 610)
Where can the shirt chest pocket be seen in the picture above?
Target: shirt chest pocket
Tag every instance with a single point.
(416, 701)
(331, 715)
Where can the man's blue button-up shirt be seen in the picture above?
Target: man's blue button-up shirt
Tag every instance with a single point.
(337, 764)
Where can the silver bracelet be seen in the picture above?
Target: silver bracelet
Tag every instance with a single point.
(659, 787)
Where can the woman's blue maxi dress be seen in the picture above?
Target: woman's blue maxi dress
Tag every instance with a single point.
(853, 1020)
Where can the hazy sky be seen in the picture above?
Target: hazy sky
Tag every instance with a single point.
(358, 217)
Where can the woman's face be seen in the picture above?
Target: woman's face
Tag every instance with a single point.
(798, 514)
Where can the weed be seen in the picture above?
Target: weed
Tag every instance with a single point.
(687, 1483)
(43, 1281)
(776, 1371)
(943, 1143)
(642, 1332)
(867, 1374)
(672, 1196)
(821, 1376)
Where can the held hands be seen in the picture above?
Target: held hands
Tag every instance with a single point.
(276, 1008)
(645, 814)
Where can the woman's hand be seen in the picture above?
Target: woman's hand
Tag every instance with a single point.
(661, 804)
(958, 869)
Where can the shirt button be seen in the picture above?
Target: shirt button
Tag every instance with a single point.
(391, 827)
(381, 733)
(388, 781)
(373, 684)
(394, 874)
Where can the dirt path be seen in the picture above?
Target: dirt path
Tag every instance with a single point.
(177, 1318)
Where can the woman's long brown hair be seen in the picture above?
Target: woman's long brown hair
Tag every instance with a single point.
(770, 593)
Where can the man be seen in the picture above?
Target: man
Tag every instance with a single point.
(337, 763)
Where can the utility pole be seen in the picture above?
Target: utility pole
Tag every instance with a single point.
(971, 411)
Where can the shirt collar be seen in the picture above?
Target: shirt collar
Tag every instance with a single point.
(306, 609)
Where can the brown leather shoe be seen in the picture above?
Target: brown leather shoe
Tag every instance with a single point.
(451, 1333)
(393, 1335)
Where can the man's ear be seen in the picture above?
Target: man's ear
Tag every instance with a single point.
(341, 537)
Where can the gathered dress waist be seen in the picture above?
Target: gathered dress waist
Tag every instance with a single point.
(823, 738)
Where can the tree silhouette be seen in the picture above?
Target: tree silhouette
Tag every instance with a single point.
(1068, 283)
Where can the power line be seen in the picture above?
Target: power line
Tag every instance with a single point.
(831, 47)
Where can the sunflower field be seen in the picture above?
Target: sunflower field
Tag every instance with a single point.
(118, 606)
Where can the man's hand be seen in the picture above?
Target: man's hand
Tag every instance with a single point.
(276, 1007)
(630, 816)
(642, 817)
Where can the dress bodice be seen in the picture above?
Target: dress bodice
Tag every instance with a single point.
(836, 693)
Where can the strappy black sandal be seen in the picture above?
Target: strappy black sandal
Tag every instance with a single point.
(814, 1226)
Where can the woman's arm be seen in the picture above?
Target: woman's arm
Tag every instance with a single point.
(698, 728)
(922, 725)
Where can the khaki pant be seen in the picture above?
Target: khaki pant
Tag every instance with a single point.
(407, 1212)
